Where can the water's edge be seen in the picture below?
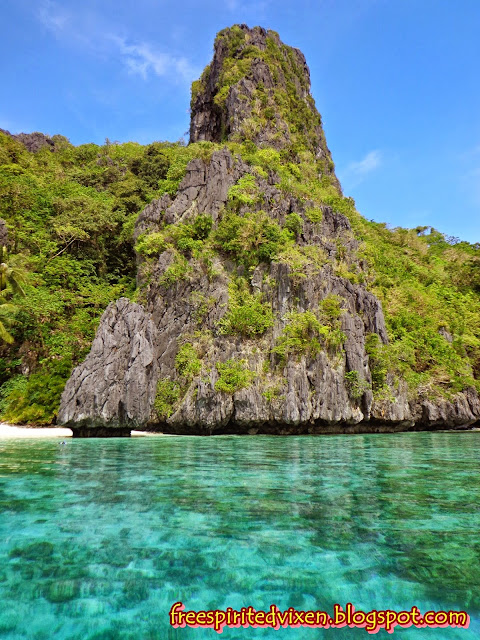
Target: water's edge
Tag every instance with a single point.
(26, 431)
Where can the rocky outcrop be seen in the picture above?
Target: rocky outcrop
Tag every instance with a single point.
(3, 233)
(169, 363)
(114, 387)
(136, 346)
(460, 411)
(257, 88)
(36, 141)
(203, 190)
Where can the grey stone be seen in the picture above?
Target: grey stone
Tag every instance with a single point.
(36, 141)
(3, 233)
(136, 344)
(115, 385)
(209, 122)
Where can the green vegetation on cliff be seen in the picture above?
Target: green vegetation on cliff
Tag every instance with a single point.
(70, 214)
(247, 315)
(309, 333)
(279, 103)
(430, 290)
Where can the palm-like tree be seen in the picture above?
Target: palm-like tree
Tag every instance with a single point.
(7, 311)
(11, 280)
(12, 276)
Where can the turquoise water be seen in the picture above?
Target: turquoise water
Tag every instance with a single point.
(98, 538)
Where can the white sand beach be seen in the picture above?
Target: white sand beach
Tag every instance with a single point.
(10, 431)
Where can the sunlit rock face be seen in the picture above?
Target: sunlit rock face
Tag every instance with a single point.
(175, 361)
(113, 387)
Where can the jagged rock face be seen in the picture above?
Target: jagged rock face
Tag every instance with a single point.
(113, 387)
(204, 189)
(35, 141)
(136, 346)
(306, 391)
(137, 375)
(256, 88)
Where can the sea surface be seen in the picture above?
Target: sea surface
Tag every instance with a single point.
(98, 538)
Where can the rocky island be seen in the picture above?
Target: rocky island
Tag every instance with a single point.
(264, 302)
(245, 325)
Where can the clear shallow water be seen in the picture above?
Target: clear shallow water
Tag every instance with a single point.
(98, 538)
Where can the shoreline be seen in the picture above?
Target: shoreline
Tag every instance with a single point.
(10, 431)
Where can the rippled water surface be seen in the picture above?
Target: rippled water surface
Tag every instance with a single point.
(98, 538)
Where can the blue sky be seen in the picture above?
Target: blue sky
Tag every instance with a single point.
(396, 82)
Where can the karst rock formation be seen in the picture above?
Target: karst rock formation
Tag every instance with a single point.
(256, 90)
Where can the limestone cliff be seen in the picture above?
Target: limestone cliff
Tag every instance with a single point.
(257, 88)
(253, 313)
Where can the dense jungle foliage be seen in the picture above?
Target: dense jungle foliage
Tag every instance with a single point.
(70, 213)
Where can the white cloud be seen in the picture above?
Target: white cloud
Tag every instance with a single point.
(142, 59)
(369, 163)
(53, 17)
(88, 31)
(357, 172)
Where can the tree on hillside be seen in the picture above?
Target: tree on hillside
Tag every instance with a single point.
(11, 280)
(12, 275)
